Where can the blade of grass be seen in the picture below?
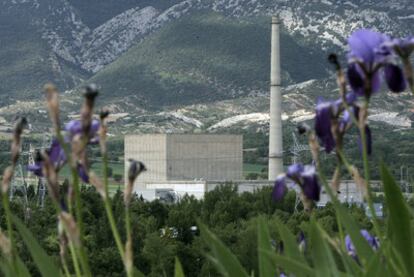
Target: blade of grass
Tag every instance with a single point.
(178, 269)
(376, 267)
(290, 265)
(43, 261)
(266, 267)
(321, 253)
(290, 246)
(226, 263)
(399, 220)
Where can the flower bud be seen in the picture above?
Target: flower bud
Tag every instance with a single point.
(7, 176)
(135, 169)
(90, 93)
(97, 183)
(103, 114)
(303, 128)
(333, 59)
(52, 100)
(15, 148)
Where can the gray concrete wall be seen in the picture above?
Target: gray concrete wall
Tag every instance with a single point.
(207, 157)
(151, 150)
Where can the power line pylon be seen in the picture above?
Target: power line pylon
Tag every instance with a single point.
(18, 189)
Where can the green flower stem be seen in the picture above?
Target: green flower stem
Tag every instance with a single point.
(409, 74)
(72, 249)
(338, 220)
(129, 238)
(367, 178)
(78, 208)
(6, 206)
(108, 208)
(65, 267)
(81, 248)
(75, 259)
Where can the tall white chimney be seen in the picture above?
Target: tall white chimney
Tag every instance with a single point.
(275, 129)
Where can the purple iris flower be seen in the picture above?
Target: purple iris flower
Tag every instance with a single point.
(365, 47)
(74, 127)
(323, 125)
(279, 189)
(36, 168)
(402, 47)
(351, 97)
(294, 171)
(369, 51)
(304, 176)
(56, 155)
(356, 78)
(394, 77)
(310, 184)
(372, 241)
(366, 50)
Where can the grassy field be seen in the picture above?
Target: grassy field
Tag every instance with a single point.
(252, 168)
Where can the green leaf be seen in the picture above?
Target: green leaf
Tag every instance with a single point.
(290, 265)
(400, 231)
(226, 263)
(6, 269)
(290, 245)
(266, 267)
(43, 261)
(178, 268)
(23, 271)
(376, 267)
(322, 257)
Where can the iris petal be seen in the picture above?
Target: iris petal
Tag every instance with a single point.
(323, 125)
(364, 45)
(356, 79)
(294, 171)
(310, 185)
(279, 189)
(395, 79)
(372, 241)
(376, 82)
(74, 127)
(56, 154)
(36, 169)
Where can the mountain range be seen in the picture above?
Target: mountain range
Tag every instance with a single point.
(174, 65)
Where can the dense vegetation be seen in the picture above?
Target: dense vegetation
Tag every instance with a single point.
(163, 232)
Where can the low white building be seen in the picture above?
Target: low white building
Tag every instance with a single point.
(178, 189)
(174, 190)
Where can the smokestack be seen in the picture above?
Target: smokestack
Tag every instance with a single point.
(275, 129)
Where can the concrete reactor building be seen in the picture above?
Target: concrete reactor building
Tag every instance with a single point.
(185, 157)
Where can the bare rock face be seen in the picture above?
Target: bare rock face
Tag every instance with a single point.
(56, 40)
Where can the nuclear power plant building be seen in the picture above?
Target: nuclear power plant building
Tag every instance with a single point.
(185, 157)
